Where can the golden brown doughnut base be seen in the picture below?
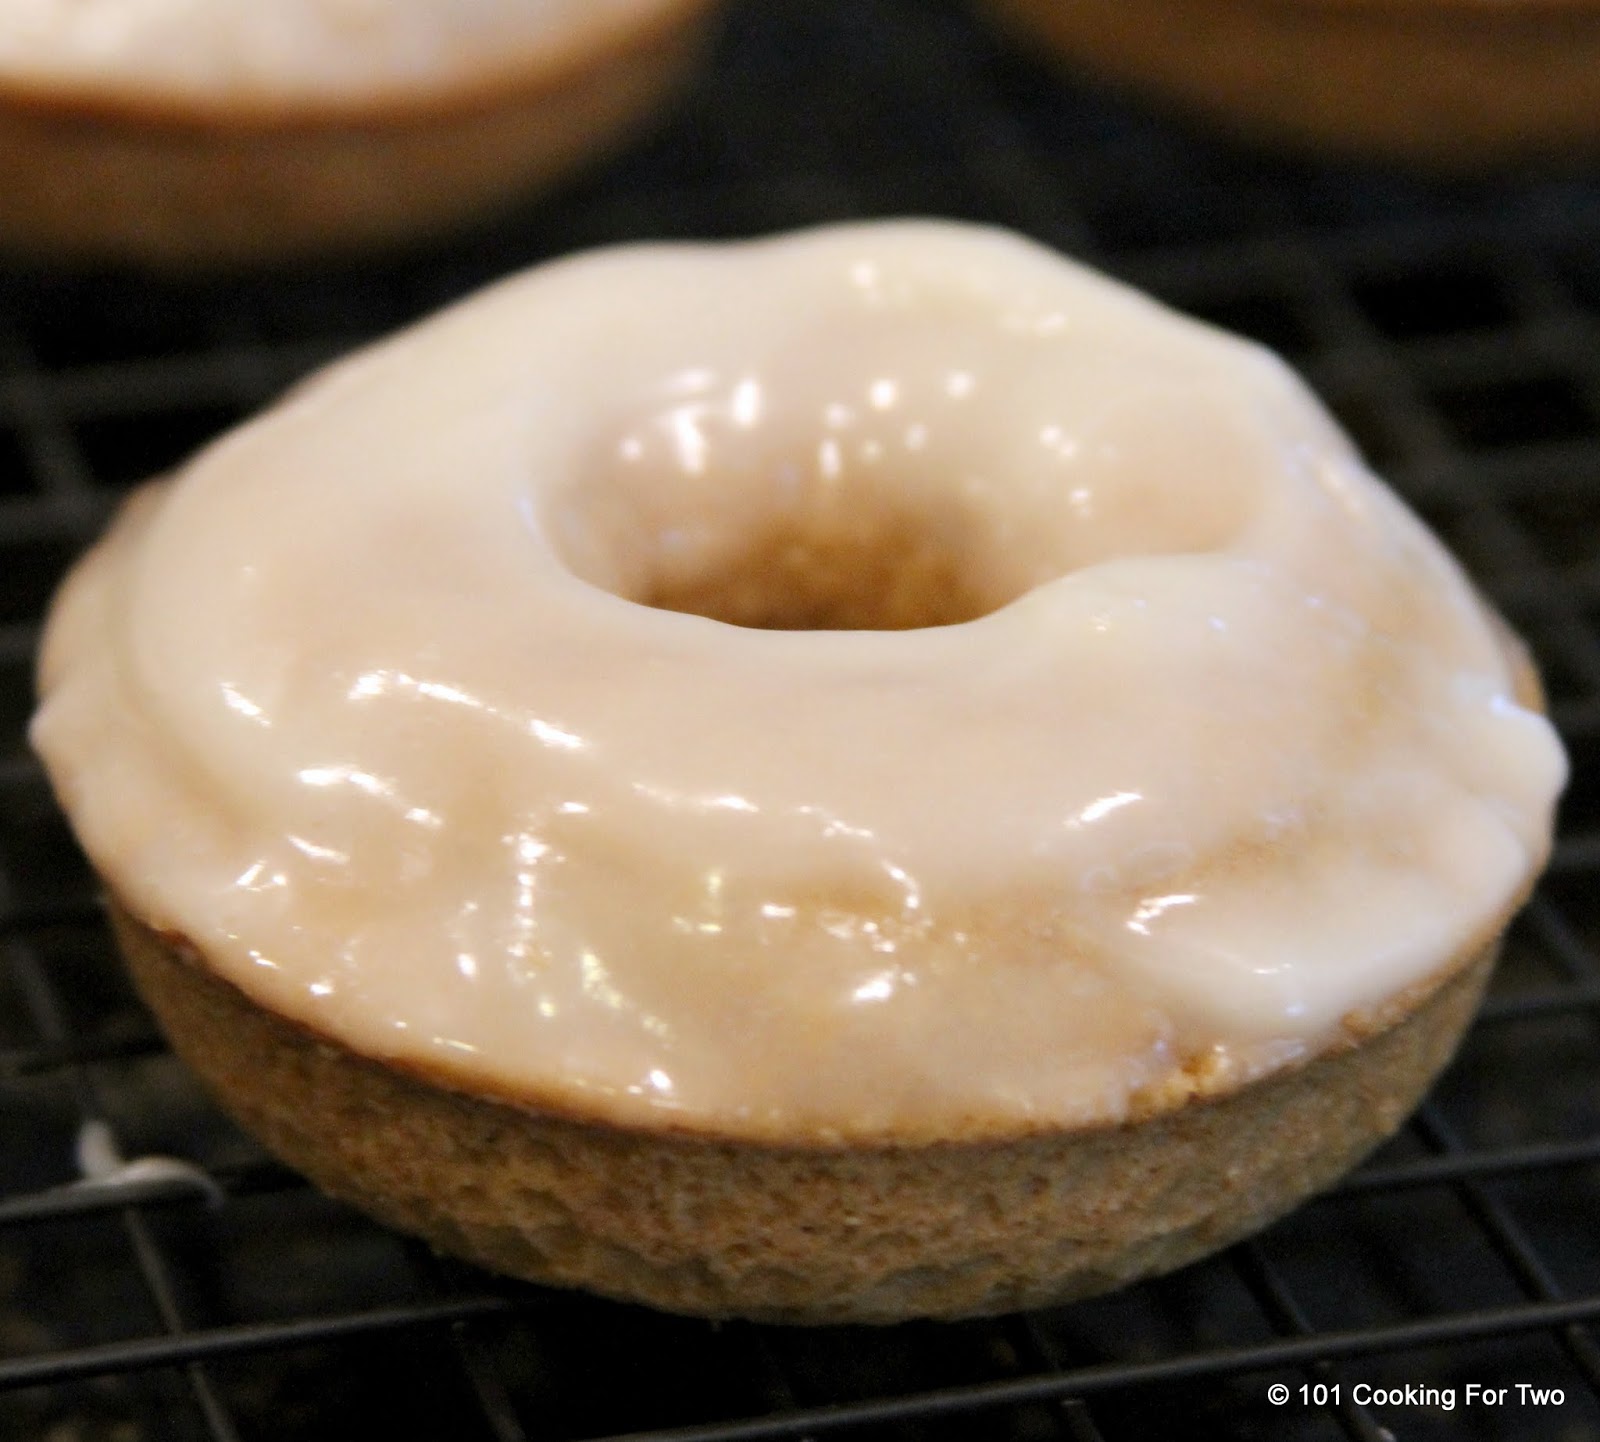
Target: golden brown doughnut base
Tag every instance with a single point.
(796, 1234)
(1452, 83)
(164, 189)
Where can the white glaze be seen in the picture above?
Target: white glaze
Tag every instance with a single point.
(342, 52)
(1242, 757)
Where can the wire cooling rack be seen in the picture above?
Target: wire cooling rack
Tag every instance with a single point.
(201, 1292)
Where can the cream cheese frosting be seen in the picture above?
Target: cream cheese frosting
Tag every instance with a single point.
(343, 53)
(396, 704)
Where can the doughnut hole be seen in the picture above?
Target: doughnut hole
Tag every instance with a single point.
(904, 493)
(875, 567)
(863, 558)
(782, 533)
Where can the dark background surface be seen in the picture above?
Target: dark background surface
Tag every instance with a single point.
(1454, 328)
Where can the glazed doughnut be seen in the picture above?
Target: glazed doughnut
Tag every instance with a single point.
(182, 132)
(857, 775)
(1457, 84)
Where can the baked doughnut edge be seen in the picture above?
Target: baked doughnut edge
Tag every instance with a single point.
(718, 1227)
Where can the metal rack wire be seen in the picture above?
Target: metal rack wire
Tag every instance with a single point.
(211, 1295)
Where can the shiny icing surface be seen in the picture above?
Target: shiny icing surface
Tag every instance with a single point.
(341, 51)
(396, 701)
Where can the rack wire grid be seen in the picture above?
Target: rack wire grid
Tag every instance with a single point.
(201, 1292)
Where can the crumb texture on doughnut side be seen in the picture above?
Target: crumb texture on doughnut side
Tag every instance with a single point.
(794, 1234)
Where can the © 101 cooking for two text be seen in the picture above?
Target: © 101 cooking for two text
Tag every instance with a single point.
(1444, 1399)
